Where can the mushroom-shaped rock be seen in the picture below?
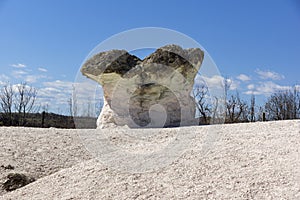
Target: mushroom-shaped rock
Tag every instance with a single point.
(153, 92)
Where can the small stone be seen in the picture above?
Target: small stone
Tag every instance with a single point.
(16, 180)
(8, 167)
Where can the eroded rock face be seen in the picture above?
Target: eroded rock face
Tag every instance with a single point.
(154, 92)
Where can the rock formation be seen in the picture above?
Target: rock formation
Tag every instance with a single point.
(153, 92)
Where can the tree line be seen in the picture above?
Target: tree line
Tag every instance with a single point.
(281, 105)
(16, 102)
(19, 107)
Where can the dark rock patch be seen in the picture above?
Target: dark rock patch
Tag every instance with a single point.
(16, 180)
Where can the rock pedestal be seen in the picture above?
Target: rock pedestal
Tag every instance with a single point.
(153, 92)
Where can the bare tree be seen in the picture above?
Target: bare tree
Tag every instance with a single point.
(237, 109)
(252, 109)
(89, 107)
(284, 104)
(296, 103)
(45, 108)
(227, 85)
(25, 98)
(218, 110)
(6, 102)
(72, 102)
(200, 95)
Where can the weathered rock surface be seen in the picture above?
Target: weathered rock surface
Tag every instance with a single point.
(154, 92)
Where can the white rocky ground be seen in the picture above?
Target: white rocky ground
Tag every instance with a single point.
(241, 161)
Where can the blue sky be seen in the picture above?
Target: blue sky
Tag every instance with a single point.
(254, 43)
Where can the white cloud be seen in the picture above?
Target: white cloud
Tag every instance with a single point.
(42, 69)
(216, 82)
(19, 65)
(58, 93)
(3, 77)
(269, 75)
(15, 87)
(243, 77)
(55, 94)
(19, 73)
(2, 83)
(26, 75)
(30, 79)
(233, 84)
(250, 92)
(62, 85)
(33, 78)
(250, 86)
(52, 93)
(266, 88)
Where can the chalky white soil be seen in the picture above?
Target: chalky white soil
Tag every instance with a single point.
(237, 161)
